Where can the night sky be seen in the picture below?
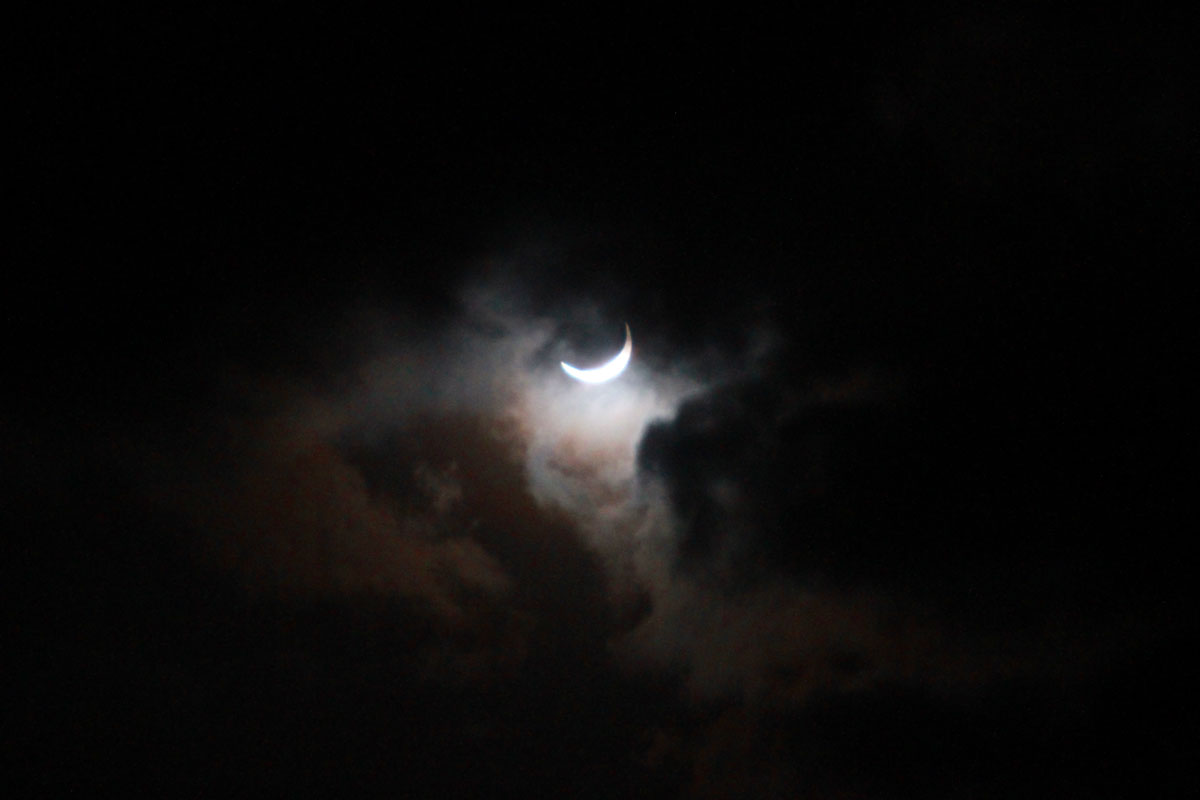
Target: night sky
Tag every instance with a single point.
(891, 501)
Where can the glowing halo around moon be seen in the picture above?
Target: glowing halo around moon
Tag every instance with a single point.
(604, 372)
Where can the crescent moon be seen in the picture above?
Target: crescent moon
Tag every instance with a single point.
(604, 372)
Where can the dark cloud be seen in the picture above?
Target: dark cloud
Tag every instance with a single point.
(762, 472)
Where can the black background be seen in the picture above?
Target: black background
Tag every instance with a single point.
(993, 206)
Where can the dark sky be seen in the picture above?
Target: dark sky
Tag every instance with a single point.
(889, 504)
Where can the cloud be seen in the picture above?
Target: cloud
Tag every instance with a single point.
(453, 470)
(457, 469)
(292, 514)
(742, 517)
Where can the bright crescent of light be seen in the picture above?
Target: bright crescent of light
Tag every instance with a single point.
(604, 372)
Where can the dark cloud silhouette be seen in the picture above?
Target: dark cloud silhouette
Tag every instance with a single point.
(759, 473)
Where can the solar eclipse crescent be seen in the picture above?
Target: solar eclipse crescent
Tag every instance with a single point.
(604, 372)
